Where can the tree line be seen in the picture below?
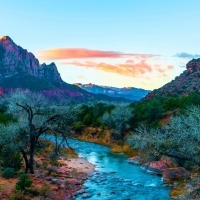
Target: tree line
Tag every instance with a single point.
(25, 117)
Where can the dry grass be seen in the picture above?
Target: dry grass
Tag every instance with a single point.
(179, 190)
(124, 149)
(69, 152)
(96, 136)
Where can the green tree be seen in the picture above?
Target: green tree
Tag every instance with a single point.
(78, 126)
(24, 183)
(87, 119)
(171, 104)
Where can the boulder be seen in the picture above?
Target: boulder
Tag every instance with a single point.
(169, 161)
(135, 160)
(54, 181)
(75, 182)
(175, 174)
(155, 167)
(86, 195)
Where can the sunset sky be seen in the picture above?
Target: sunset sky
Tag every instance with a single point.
(118, 43)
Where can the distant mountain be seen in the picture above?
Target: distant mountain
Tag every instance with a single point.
(185, 83)
(131, 93)
(19, 69)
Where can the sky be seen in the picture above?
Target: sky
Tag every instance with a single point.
(121, 43)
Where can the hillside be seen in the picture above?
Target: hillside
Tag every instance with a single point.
(184, 84)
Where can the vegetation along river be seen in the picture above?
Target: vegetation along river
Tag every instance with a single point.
(117, 179)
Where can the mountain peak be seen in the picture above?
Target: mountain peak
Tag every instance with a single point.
(193, 65)
(5, 38)
(130, 93)
(15, 59)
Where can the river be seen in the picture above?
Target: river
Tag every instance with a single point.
(115, 178)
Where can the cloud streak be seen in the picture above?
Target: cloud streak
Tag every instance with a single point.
(126, 69)
(186, 55)
(82, 53)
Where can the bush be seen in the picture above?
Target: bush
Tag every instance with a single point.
(8, 173)
(23, 183)
(45, 190)
(11, 160)
(16, 196)
(54, 163)
(181, 135)
(3, 188)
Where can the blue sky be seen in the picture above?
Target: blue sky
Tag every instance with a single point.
(153, 40)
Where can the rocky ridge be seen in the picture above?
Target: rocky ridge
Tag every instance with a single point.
(185, 83)
(14, 59)
(20, 69)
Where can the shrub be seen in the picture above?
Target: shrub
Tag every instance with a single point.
(34, 192)
(16, 196)
(181, 135)
(23, 183)
(8, 173)
(45, 190)
(54, 163)
(11, 160)
(3, 188)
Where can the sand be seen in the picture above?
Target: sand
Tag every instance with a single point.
(79, 164)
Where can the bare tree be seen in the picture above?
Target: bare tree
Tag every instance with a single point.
(35, 117)
(118, 118)
(181, 135)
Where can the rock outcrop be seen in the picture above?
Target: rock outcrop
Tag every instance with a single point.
(19, 69)
(14, 59)
(174, 174)
(135, 160)
(169, 161)
(154, 167)
(185, 83)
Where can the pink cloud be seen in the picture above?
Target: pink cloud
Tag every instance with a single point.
(72, 53)
(130, 61)
(170, 67)
(123, 69)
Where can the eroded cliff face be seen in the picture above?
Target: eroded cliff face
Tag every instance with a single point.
(20, 70)
(193, 65)
(184, 84)
(14, 59)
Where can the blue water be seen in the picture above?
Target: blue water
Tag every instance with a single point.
(117, 179)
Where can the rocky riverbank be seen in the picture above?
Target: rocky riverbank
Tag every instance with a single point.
(60, 178)
(185, 184)
(176, 170)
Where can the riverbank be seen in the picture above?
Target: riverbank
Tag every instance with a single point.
(104, 137)
(61, 178)
(180, 189)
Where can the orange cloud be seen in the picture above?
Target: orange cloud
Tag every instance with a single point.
(170, 67)
(122, 69)
(71, 53)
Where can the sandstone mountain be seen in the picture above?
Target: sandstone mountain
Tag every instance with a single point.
(14, 59)
(19, 69)
(185, 83)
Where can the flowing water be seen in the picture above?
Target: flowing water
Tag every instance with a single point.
(115, 178)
